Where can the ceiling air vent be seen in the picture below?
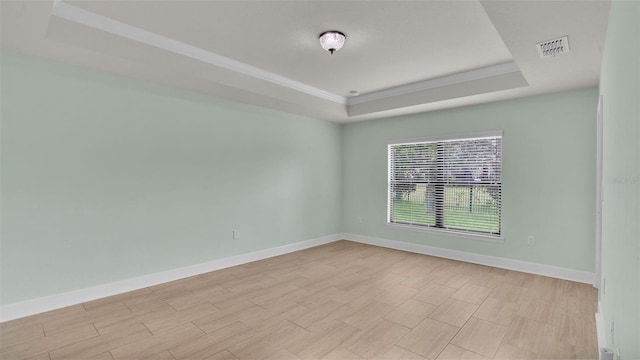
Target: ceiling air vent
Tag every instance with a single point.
(553, 47)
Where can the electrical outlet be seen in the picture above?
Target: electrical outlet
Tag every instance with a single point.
(604, 285)
(531, 240)
(236, 234)
(613, 339)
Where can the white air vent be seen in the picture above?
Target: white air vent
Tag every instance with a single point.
(553, 47)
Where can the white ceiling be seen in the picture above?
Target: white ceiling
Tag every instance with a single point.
(402, 57)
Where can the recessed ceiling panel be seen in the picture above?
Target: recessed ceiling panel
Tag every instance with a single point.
(390, 44)
(400, 57)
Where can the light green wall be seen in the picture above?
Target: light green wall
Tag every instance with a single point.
(106, 178)
(620, 88)
(549, 154)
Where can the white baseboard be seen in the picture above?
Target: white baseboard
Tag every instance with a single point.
(499, 262)
(602, 341)
(52, 302)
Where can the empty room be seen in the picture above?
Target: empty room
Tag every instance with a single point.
(320, 179)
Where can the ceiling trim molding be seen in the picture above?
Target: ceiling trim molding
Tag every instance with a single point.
(453, 79)
(84, 17)
(66, 11)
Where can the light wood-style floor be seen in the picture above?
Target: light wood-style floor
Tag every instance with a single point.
(343, 300)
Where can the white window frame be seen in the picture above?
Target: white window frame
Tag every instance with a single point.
(469, 234)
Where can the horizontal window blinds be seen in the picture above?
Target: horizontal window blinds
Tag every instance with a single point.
(453, 184)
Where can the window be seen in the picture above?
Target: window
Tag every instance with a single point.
(450, 184)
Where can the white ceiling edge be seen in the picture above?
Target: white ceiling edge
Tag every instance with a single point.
(87, 18)
(483, 85)
(453, 79)
(63, 10)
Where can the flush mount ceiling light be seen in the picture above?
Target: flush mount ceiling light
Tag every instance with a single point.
(332, 41)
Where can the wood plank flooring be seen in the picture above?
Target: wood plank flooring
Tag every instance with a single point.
(343, 300)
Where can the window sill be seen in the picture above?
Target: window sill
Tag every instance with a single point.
(459, 234)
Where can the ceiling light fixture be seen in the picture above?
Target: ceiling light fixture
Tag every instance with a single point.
(332, 41)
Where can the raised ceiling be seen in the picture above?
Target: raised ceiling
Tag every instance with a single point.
(402, 57)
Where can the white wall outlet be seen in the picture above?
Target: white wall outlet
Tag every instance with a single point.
(613, 339)
(604, 285)
(236, 234)
(531, 240)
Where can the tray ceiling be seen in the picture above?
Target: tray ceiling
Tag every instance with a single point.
(401, 57)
